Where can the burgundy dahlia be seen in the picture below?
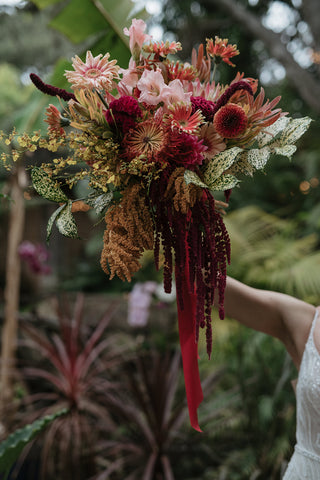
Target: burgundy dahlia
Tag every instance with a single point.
(184, 149)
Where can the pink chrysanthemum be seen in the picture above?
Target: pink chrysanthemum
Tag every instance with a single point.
(212, 140)
(123, 113)
(204, 105)
(147, 139)
(181, 116)
(96, 72)
(230, 121)
(184, 149)
(53, 118)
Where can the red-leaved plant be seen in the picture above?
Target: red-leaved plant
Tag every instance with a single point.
(72, 369)
(150, 410)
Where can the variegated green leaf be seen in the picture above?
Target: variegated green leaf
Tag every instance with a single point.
(100, 202)
(294, 130)
(220, 163)
(66, 223)
(52, 219)
(241, 166)
(257, 157)
(46, 187)
(268, 135)
(286, 151)
(192, 177)
(224, 182)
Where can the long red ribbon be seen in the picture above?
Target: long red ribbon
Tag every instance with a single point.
(189, 349)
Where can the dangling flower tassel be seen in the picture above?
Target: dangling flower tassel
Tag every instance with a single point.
(50, 89)
(200, 244)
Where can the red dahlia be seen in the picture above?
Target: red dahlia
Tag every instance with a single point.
(230, 121)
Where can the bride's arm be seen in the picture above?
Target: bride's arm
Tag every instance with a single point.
(276, 314)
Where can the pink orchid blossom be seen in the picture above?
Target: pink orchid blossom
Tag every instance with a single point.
(174, 93)
(36, 256)
(137, 36)
(151, 86)
(139, 303)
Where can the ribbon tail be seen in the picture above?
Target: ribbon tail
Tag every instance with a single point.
(189, 350)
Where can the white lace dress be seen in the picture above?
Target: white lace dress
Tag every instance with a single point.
(305, 462)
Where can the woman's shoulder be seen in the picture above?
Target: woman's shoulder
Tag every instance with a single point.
(297, 317)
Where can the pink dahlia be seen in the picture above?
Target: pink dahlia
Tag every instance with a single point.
(95, 72)
(123, 113)
(230, 121)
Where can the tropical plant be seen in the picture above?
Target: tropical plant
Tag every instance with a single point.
(72, 367)
(11, 447)
(151, 441)
(269, 253)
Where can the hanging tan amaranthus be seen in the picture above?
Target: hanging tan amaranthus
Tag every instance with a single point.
(184, 196)
(129, 231)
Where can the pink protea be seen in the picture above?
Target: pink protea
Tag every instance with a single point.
(95, 72)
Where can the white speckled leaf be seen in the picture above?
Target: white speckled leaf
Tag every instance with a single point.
(257, 157)
(241, 166)
(220, 163)
(46, 187)
(286, 151)
(66, 223)
(294, 130)
(100, 202)
(224, 182)
(264, 138)
(192, 177)
(52, 219)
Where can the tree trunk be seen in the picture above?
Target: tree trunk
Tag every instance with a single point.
(12, 289)
(305, 83)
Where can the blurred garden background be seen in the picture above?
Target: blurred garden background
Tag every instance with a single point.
(107, 351)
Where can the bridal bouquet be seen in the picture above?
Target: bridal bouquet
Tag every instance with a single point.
(155, 142)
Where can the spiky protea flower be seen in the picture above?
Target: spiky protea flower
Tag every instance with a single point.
(95, 72)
